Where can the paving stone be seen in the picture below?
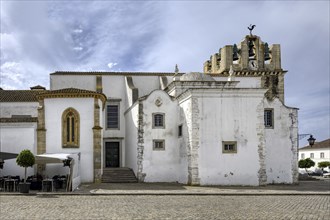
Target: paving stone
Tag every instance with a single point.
(164, 207)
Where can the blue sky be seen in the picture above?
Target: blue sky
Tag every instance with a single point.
(40, 37)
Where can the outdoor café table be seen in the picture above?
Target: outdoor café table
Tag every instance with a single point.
(10, 185)
(46, 184)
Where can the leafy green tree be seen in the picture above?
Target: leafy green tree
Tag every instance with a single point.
(25, 159)
(324, 164)
(306, 163)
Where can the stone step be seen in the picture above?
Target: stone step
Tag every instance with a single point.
(118, 175)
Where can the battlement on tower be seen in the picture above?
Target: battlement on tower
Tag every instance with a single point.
(252, 54)
(251, 57)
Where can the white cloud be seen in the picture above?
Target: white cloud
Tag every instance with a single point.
(111, 65)
(78, 31)
(78, 48)
(39, 37)
(10, 73)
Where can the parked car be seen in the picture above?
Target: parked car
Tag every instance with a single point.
(326, 175)
(312, 173)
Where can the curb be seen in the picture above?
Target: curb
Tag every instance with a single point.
(50, 194)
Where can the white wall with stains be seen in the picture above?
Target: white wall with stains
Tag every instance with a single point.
(229, 116)
(8, 109)
(281, 144)
(162, 165)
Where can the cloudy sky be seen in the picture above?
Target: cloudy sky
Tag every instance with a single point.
(40, 37)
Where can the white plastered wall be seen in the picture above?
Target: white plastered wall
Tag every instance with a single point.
(15, 137)
(162, 165)
(87, 82)
(131, 120)
(7, 109)
(54, 108)
(281, 144)
(229, 116)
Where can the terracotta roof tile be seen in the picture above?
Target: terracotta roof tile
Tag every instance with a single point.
(38, 87)
(69, 90)
(71, 93)
(18, 95)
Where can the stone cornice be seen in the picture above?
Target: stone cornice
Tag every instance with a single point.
(97, 128)
(223, 93)
(18, 120)
(249, 73)
(201, 84)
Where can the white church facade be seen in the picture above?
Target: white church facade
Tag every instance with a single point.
(228, 125)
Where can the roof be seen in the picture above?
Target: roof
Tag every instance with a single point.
(19, 95)
(115, 73)
(71, 93)
(318, 145)
(195, 76)
(33, 95)
(38, 87)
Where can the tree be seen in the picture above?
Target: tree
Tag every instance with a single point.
(324, 164)
(306, 163)
(25, 159)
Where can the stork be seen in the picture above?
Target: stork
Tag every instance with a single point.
(251, 27)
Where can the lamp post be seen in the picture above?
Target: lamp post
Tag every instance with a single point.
(311, 139)
(1, 163)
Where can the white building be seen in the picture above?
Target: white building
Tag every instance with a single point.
(319, 152)
(226, 126)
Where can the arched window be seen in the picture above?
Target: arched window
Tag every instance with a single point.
(70, 128)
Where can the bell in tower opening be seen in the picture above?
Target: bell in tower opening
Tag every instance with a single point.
(266, 51)
(235, 52)
(251, 49)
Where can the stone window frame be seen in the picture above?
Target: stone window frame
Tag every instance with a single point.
(154, 115)
(302, 156)
(118, 116)
(311, 155)
(155, 142)
(229, 143)
(70, 128)
(322, 155)
(269, 122)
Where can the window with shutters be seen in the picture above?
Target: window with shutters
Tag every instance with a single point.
(113, 116)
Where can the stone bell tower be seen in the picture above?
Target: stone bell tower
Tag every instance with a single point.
(251, 58)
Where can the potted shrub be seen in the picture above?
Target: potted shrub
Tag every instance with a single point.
(25, 159)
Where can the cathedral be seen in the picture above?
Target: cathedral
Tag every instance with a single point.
(227, 125)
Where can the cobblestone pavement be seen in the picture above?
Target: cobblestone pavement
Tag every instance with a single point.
(164, 207)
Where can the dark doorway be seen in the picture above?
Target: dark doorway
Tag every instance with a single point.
(112, 154)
